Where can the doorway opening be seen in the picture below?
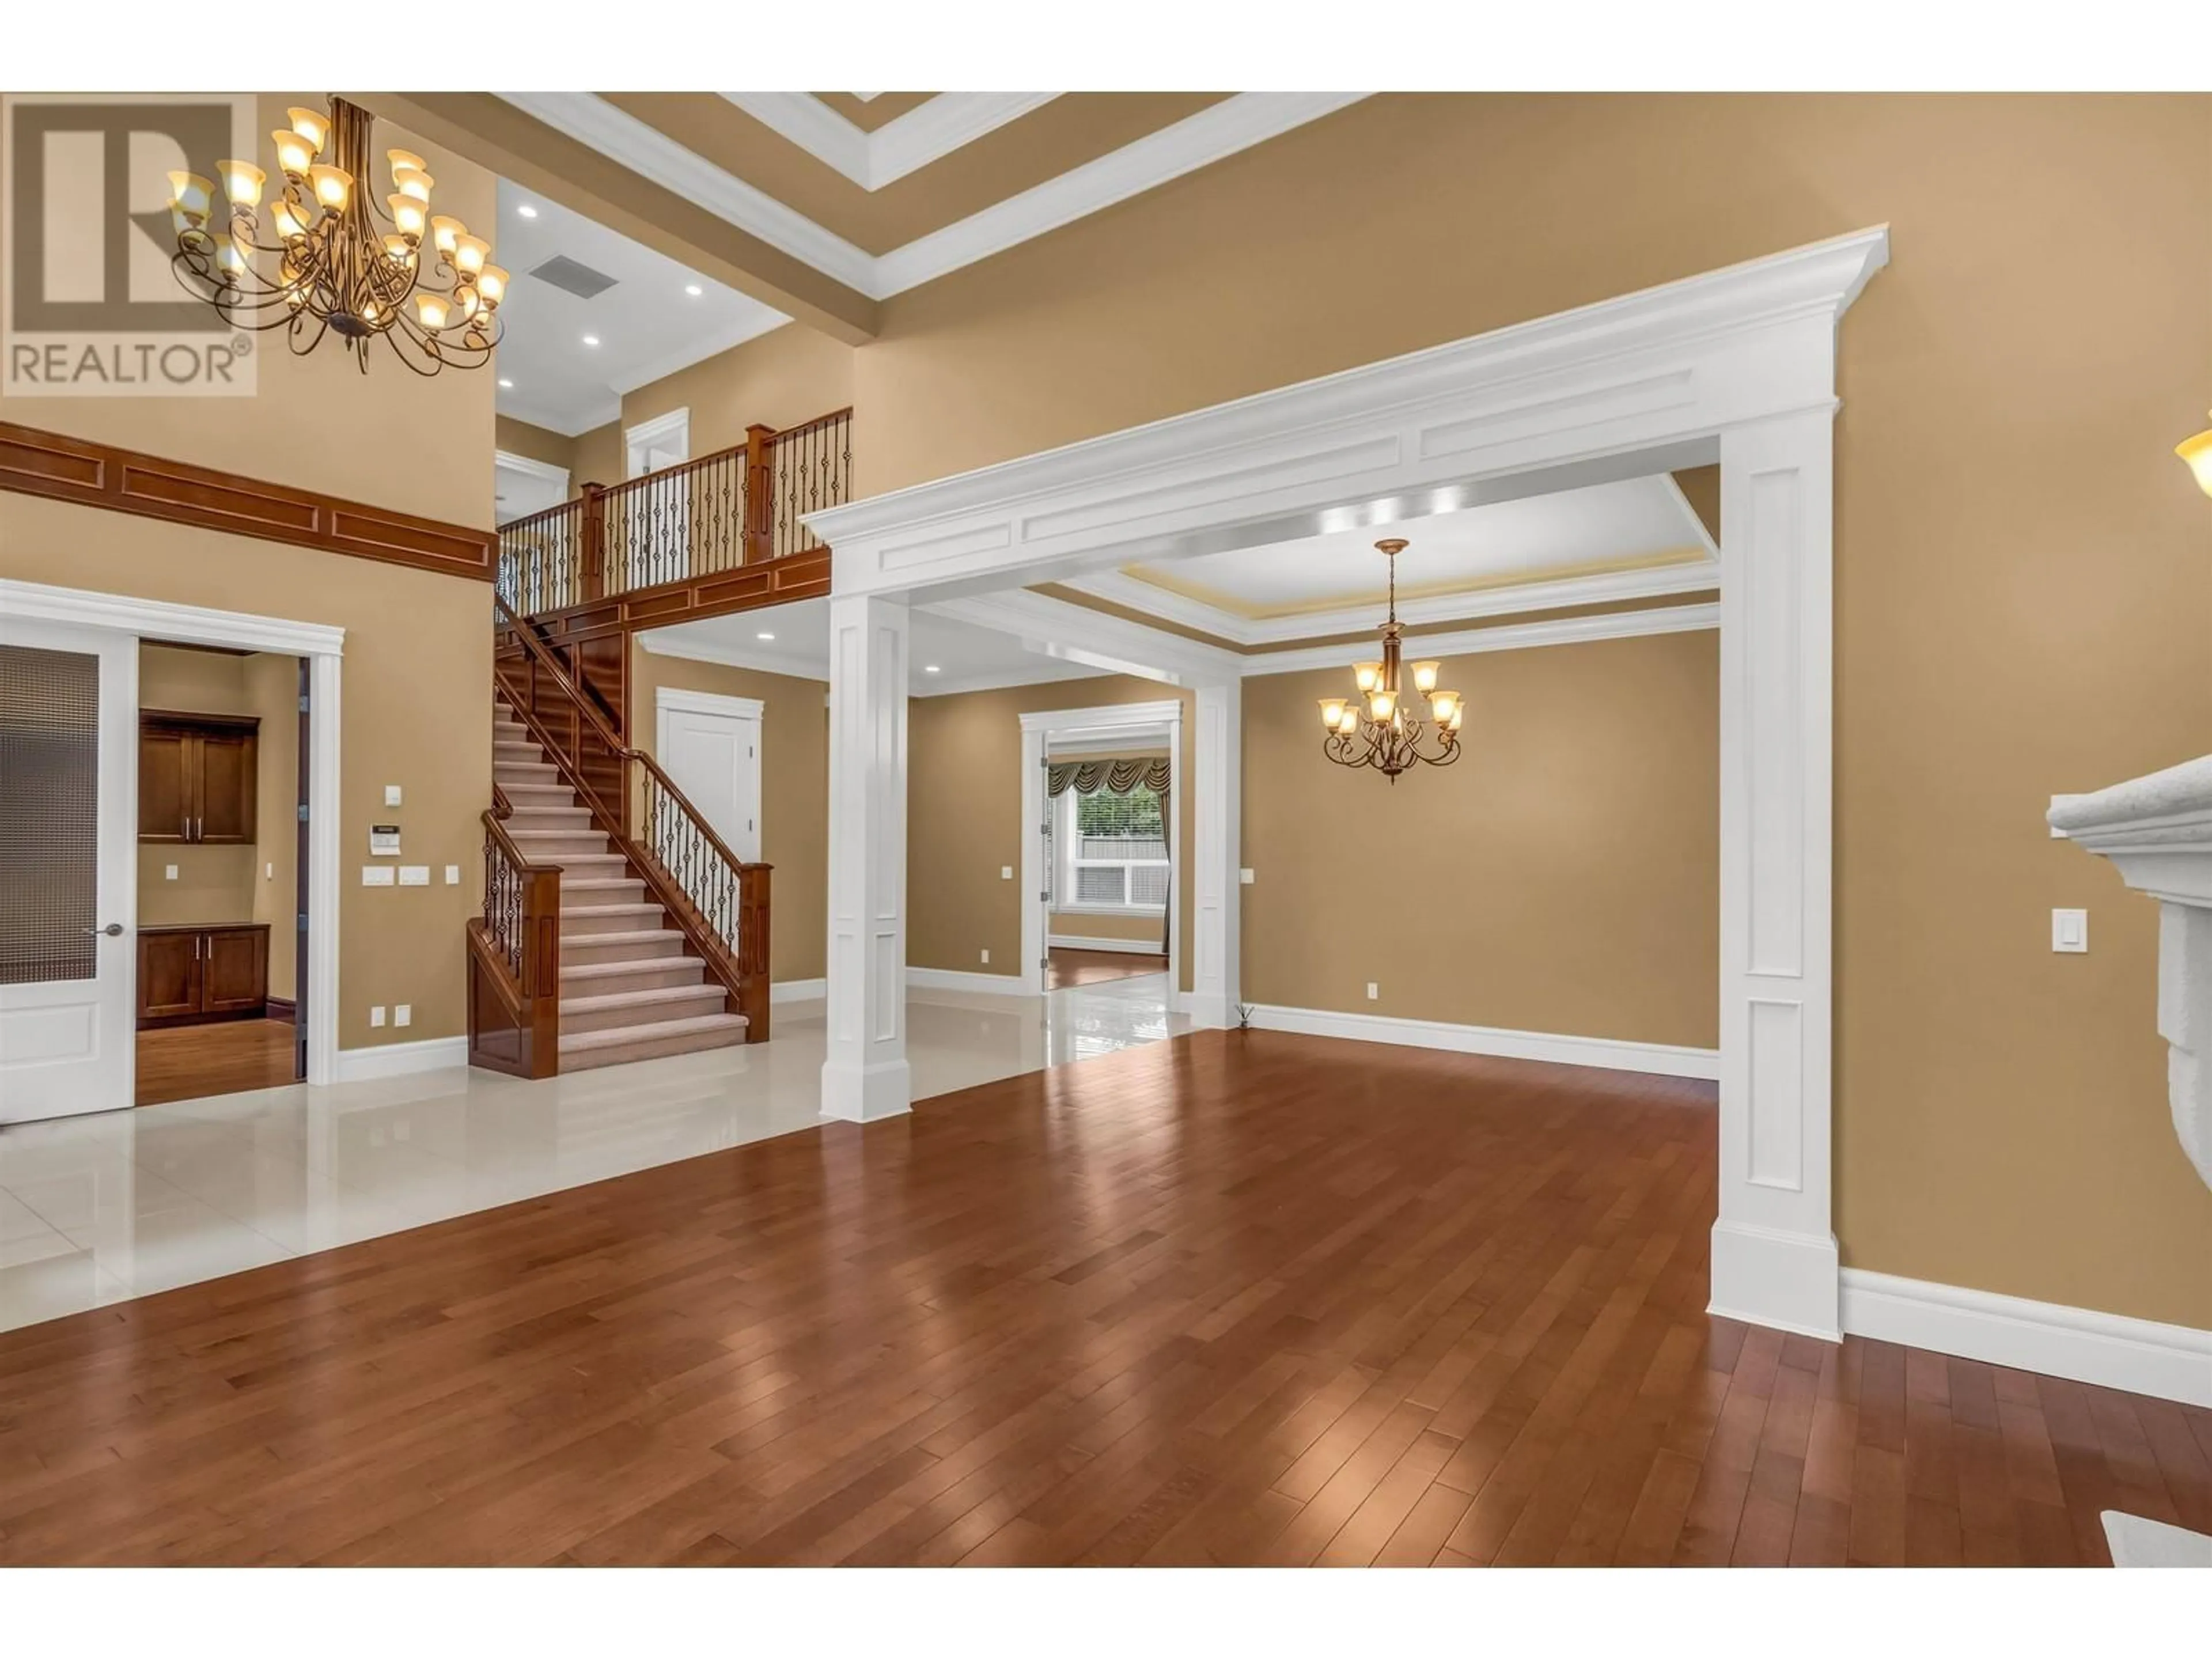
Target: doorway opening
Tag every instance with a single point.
(222, 911)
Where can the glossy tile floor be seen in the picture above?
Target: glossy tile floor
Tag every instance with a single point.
(99, 1209)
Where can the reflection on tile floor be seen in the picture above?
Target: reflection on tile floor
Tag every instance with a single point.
(99, 1209)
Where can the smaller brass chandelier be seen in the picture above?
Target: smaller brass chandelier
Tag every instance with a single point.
(344, 265)
(1373, 727)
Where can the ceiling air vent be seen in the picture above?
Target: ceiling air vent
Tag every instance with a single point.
(571, 277)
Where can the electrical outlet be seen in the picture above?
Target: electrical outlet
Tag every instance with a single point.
(376, 1015)
(1373, 990)
(1005, 872)
(1245, 876)
(452, 875)
(402, 1013)
(169, 873)
(392, 794)
(987, 959)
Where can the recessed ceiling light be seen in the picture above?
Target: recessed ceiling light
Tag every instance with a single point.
(693, 289)
(526, 210)
(929, 668)
(763, 636)
(591, 339)
(506, 385)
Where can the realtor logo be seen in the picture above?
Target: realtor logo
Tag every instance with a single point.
(89, 305)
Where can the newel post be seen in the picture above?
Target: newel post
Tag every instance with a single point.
(760, 496)
(594, 551)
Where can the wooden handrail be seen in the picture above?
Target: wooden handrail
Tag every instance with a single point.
(515, 957)
(746, 980)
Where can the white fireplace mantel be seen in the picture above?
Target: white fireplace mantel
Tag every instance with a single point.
(2157, 831)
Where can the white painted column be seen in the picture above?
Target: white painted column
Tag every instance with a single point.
(1217, 775)
(864, 1075)
(1774, 1260)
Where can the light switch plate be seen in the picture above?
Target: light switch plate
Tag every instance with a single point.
(169, 873)
(376, 875)
(2069, 930)
(1005, 872)
(987, 959)
(268, 871)
(1245, 876)
(403, 1014)
(1373, 990)
(452, 875)
(414, 875)
(392, 794)
(376, 1015)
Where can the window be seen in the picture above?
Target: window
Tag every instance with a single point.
(1113, 852)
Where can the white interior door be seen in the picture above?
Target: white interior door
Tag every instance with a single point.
(69, 869)
(711, 746)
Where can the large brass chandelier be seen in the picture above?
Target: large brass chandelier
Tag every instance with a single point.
(1374, 727)
(344, 265)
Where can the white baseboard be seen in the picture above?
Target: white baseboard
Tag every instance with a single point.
(954, 979)
(797, 990)
(400, 1059)
(2168, 1362)
(1613, 1053)
(1128, 947)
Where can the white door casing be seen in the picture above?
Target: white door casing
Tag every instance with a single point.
(1736, 365)
(711, 745)
(521, 486)
(130, 619)
(68, 1045)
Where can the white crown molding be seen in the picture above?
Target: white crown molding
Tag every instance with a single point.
(594, 414)
(1506, 636)
(797, 666)
(652, 155)
(1605, 381)
(1197, 140)
(401, 1059)
(2167, 1362)
(926, 133)
(1612, 1054)
(1603, 588)
(163, 620)
(1223, 129)
(1075, 632)
(1004, 679)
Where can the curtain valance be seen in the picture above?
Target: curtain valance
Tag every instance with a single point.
(1117, 777)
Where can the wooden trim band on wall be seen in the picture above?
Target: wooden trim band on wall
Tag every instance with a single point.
(744, 588)
(37, 463)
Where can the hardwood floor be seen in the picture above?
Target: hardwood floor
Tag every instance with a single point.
(1064, 967)
(1243, 1297)
(184, 1062)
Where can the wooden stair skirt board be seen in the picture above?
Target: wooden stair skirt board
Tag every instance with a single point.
(630, 989)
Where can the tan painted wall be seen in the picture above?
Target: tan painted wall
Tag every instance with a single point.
(785, 377)
(599, 457)
(417, 687)
(535, 443)
(2023, 588)
(417, 673)
(1562, 875)
(795, 792)
(965, 817)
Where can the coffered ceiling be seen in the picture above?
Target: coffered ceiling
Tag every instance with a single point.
(819, 205)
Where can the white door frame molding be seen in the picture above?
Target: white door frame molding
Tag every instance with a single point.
(324, 646)
(645, 434)
(675, 700)
(1738, 365)
(1140, 721)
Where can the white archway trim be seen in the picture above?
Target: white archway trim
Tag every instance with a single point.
(324, 646)
(1039, 729)
(1739, 365)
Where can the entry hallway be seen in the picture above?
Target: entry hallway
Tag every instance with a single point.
(1244, 1296)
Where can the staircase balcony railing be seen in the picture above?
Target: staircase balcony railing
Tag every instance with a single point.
(738, 506)
(718, 900)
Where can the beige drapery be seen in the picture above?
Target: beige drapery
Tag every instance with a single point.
(1117, 777)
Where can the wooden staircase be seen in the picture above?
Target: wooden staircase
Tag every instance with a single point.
(628, 989)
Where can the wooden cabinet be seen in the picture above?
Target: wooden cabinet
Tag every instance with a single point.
(196, 777)
(189, 973)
